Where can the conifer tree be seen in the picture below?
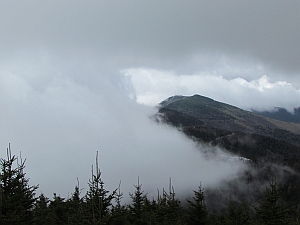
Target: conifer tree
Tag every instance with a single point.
(168, 209)
(16, 195)
(197, 212)
(238, 215)
(161, 209)
(118, 212)
(150, 209)
(270, 210)
(58, 210)
(41, 210)
(174, 210)
(137, 213)
(76, 207)
(98, 199)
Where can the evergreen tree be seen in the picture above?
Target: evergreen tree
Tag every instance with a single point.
(270, 211)
(238, 215)
(161, 209)
(76, 207)
(169, 210)
(58, 210)
(16, 195)
(137, 213)
(98, 199)
(174, 214)
(150, 209)
(41, 210)
(197, 212)
(118, 212)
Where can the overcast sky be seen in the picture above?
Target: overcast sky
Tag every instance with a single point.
(79, 77)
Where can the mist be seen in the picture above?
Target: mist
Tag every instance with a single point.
(77, 78)
(60, 124)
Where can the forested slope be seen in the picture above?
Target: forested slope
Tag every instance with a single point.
(272, 146)
(238, 131)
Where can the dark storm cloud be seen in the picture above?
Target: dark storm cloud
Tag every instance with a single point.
(157, 33)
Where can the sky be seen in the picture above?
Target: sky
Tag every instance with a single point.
(80, 77)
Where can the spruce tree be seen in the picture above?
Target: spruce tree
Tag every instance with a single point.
(270, 211)
(118, 212)
(174, 213)
(76, 207)
(41, 210)
(58, 210)
(137, 213)
(197, 212)
(237, 214)
(162, 207)
(16, 195)
(98, 199)
(168, 207)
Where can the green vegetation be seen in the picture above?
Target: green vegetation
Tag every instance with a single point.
(18, 204)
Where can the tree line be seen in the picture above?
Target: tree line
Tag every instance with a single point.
(19, 204)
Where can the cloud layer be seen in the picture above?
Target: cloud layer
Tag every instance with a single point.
(60, 125)
(64, 96)
(168, 35)
(150, 87)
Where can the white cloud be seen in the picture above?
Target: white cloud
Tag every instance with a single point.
(153, 86)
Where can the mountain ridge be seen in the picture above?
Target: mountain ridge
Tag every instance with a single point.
(217, 123)
(281, 114)
(277, 113)
(225, 116)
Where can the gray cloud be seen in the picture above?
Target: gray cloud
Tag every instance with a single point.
(63, 96)
(157, 34)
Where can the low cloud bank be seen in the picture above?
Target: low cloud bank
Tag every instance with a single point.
(60, 122)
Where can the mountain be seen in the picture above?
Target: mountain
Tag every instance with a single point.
(245, 133)
(272, 146)
(281, 114)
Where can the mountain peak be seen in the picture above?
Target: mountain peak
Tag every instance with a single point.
(200, 110)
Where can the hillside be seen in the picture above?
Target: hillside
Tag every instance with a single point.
(238, 131)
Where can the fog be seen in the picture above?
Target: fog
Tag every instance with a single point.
(59, 129)
(77, 78)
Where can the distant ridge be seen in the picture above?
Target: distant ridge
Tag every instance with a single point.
(281, 114)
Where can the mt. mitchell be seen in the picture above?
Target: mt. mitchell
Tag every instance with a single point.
(241, 132)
